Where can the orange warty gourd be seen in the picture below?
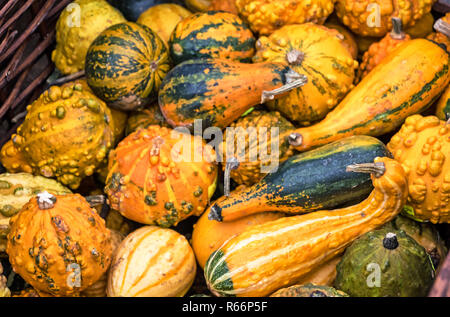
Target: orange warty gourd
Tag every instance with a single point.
(443, 106)
(56, 239)
(266, 16)
(209, 235)
(270, 256)
(347, 36)
(422, 147)
(152, 262)
(379, 50)
(14, 160)
(320, 54)
(161, 176)
(373, 17)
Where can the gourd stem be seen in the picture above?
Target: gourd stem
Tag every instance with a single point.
(295, 139)
(293, 80)
(230, 165)
(397, 30)
(215, 213)
(442, 27)
(65, 79)
(95, 200)
(377, 169)
(295, 57)
(390, 242)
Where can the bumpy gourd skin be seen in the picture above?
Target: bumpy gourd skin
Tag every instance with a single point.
(360, 15)
(72, 42)
(249, 171)
(422, 147)
(265, 16)
(320, 54)
(48, 247)
(4, 290)
(153, 180)
(405, 271)
(309, 290)
(16, 190)
(13, 160)
(66, 134)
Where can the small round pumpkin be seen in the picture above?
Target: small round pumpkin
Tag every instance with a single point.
(209, 235)
(243, 132)
(59, 244)
(161, 176)
(145, 118)
(373, 17)
(443, 106)
(422, 147)
(67, 133)
(125, 65)
(16, 190)
(379, 50)
(385, 263)
(78, 25)
(152, 262)
(213, 34)
(320, 54)
(266, 16)
(163, 19)
(309, 290)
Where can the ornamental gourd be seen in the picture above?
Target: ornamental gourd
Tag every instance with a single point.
(306, 182)
(383, 100)
(348, 37)
(198, 5)
(379, 50)
(14, 160)
(125, 65)
(309, 290)
(256, 133)
(66, 134)
(161, 176)
(422, 147)
(152, 262)
(373, 17)
(209, 235)
(16, 190)
(422, 28)
(163, 19)
(54, 235)
(224, 5)
(425, 234)
(219, 91)
(270, 256)
(213, 34)
(266, 16)
(145, 118)
(323, 274)
(317, 52)
(4, 290)
(405, 269)
(443, 106)
(78, 25)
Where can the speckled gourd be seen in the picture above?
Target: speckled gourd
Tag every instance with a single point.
(320, 54)
(16, 190)
(373, 17)
(242, 134)
(160, 176)
(266, 16)
(152, 262)
(422, 147)
(309, 290)
(66, 134)
(78, 25)
(385, 263)
(59, 244)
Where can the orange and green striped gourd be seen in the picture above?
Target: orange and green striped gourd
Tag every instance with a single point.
(213, 34)
(270, 256)
(125, 65)
(382, 101)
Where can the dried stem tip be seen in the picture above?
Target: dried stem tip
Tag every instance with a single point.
(45, 200)
(377, 169)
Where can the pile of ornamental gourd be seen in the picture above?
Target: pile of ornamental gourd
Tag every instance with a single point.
(119, 182)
